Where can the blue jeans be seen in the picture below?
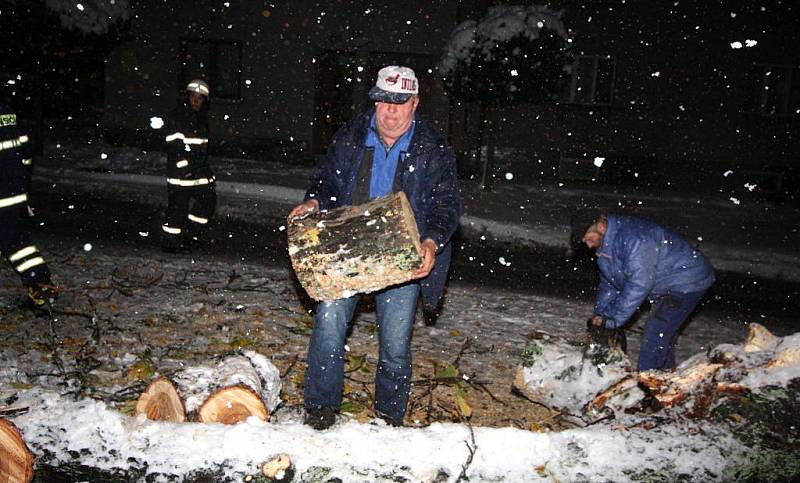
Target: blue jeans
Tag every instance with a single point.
(661, 332)
(396, 309)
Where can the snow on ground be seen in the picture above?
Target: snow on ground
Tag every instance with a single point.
(130, 316)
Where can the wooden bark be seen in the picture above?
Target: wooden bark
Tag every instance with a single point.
(355, 249)
(161, 402)
(696, 383)
(16, 460)
(231, 405)
(239, 396)
(551, 375)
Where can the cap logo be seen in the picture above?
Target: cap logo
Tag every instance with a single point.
(395, 84)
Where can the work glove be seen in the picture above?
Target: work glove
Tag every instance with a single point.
(602, 336)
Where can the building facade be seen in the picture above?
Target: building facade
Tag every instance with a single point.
(663, 95)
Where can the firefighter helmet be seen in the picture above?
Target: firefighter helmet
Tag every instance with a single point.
(198, 85)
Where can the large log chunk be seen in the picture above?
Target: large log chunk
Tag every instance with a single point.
(236, 388)
(16, 460)
(161, 402)
(355, 249)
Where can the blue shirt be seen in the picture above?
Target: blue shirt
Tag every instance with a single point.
(384, 162)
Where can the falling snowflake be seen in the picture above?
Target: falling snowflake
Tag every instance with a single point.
(727, 173)
(736, 45)
(87, 247)
(598, 161)
(156, 122)
(509, 176)
(735, 201)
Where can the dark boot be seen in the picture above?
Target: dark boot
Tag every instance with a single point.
(430, 316)
(174, 244)
(320, 418)
(41, 297)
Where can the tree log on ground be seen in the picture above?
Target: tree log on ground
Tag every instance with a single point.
(16, 460)
(231, 391)
(698, 382)
(161, 402)
(355, 249)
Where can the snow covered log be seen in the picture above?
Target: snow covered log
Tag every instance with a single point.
(355, 249)
(727, 368)
(566, 375)
(16, 460)
(236, 388)
(161, 402)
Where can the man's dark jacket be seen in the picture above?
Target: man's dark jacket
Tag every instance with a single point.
(427, 176)
(640, 259)
(16, 147)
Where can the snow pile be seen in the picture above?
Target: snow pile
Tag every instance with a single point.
(560, 375)
(90, 433)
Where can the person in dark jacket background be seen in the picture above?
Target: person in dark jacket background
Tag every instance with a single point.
(641, 260)
(385, 150)
(191, 189)
(15, 245)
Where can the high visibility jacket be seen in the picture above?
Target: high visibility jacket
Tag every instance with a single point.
(15, 154)
(187, 146)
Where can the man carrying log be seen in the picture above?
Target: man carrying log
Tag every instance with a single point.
(639, 259)
(384, 150)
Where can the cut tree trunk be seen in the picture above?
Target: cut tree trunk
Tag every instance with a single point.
(160, 402)
(231, 405)
(239, 396)
(355, 249)
(16, 460)
(219, 385)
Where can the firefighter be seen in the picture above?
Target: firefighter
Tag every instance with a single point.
(190, 183)
(15, 245)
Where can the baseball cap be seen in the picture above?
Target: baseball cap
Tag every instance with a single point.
(395, 84)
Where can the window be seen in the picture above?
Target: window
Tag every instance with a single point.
(592, 80)
(777, 90)
(219, 62)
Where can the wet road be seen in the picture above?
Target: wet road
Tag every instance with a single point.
(70, 221)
